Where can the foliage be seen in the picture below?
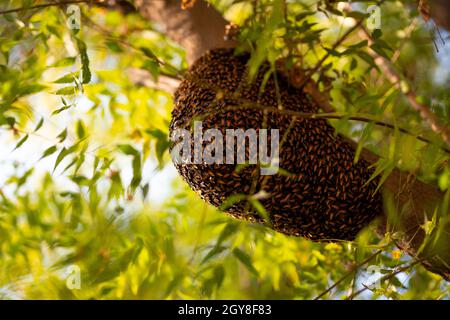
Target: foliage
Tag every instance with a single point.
(87, 180)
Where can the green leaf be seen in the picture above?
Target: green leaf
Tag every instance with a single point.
(128, 149)
(367, 58)
(29, 89)
(137, 172)
(85, 72)
(378, 49)
(384, 166)
(333, 52)
(66, 91)
(81, 131)
(353, 64)
(162, 144)
(149, 54)
(48, 152)
(145, 189)
(39, 125)
(359, 45)
(53, 30)
(219, 275)
(64, 152)
(68, 78)
(364, 137)
(357, 15)
(212, 253)
(397, 283)
(174, 283)
(115, 189)
(257, 205)
(161, 147)
(60, 157)
(113, 46)
(229, 229)
(246, 260)
(62, 136)
(376, 34)
(65, 62)
(80, 180)
(383, 44)
(80, 162)
(303, 15)
(71, 164)
(11, 121)
(58, 111)
(231, 200)
(152, 67)
(21, 142)
(158, 134)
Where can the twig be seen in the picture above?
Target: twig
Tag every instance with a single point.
(43, 5)
(354, 268)
(391, 74)
(318, 98)
(143, 77)
(312, 115)
(177, 74)
(357, 25)
(408, 31)
(386, 277)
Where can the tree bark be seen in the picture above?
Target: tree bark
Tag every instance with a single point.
(202, 28)
(440, 12)
(415, 203)
(197, 29)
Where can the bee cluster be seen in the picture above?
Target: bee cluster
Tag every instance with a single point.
(320, 193)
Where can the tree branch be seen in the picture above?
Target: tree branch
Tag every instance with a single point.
(385, 278)
(440, 12)
(43, 5)
(144, 78)
(353, 269)
(358, 24)
(197, 29)
(390, 73)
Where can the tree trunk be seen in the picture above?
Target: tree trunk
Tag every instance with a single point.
(415, 203)
(201, 28)
(440, 12)
(197, 29)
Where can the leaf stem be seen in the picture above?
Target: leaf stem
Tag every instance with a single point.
(353, 269)
(42, 5)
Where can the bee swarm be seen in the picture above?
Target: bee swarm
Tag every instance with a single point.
(325, 196)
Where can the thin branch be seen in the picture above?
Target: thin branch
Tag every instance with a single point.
(309, 115)
(386, 277)
(143, 77)
(358, 24)
(408, 31)
(391, 74)
(177, 74)
(43, 5)
(353, 269)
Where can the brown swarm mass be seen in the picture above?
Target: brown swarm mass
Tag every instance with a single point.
(325, 195)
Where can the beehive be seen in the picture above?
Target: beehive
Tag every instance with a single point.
(325, 196)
